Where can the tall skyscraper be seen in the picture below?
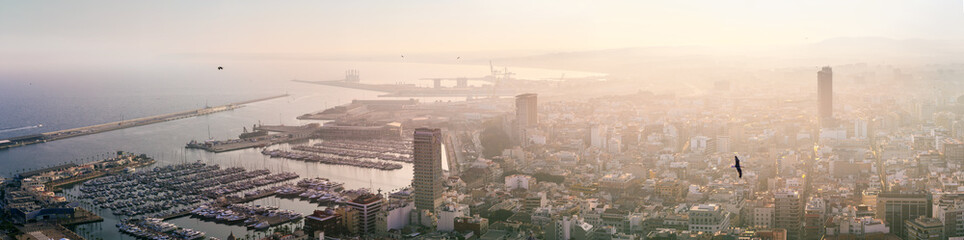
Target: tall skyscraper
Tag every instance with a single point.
(895, 208)
(428, 168)
(788, 213)
(526, 115)
(598, 136)
(825, 96)
(526, 108)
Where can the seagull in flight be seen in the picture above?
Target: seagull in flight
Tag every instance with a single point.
(220, 68)
(737, 166)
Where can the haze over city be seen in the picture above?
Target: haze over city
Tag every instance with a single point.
(482, 120)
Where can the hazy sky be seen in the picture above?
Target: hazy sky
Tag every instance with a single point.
(52, 29)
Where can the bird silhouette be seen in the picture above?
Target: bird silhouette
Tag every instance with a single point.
(457, 58)
(403, 56)
(220, 68)
(737, 166)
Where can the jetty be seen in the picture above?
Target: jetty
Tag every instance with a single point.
(99, 128)
(286, 134)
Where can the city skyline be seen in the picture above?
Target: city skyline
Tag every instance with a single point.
(482, 120)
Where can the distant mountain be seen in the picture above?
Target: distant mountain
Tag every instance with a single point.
(871, 50)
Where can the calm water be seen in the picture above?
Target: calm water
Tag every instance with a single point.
(70, 98)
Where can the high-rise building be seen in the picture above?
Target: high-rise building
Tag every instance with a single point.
(895, 208)
(368, 206)
(526, 109)
(788, 213)
(629, 137)
(723, 144)
(814, 219)
(924, 228)
(526, 115)
(428, 168)
(598, 135)
(953, 151)
(758, 214)
(860, 129)
(949, 209)
(825, 96)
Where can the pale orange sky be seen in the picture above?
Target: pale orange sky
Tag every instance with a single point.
(54, 29)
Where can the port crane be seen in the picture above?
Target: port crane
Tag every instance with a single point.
(495, 77)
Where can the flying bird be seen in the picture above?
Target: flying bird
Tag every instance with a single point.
(403, 56)
(220, 68)
(737, 166)
(457, 58)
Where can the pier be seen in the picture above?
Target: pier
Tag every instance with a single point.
(81, 131)
(287, 134)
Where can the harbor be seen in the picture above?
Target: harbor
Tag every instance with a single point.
(105, 127)
(365, 155)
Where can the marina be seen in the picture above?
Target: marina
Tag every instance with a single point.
(251, 216)
(331, 159)
(355, 153)
(154, 228)
(172, 189)
(316, 190)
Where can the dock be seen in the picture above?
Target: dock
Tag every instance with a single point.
(287, 134)
(99, 128)
(56, 186)
(288, 129)
(225, 147)
(81, 216)
(43, 230)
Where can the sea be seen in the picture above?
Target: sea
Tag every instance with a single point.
(37, 100)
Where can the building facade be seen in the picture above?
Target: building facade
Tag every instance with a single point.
(526, 115)
(428, 169)
(708, 218)
(924, 228)
(825, 96)
(367, 207)
(895, 208)
(788, 213)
